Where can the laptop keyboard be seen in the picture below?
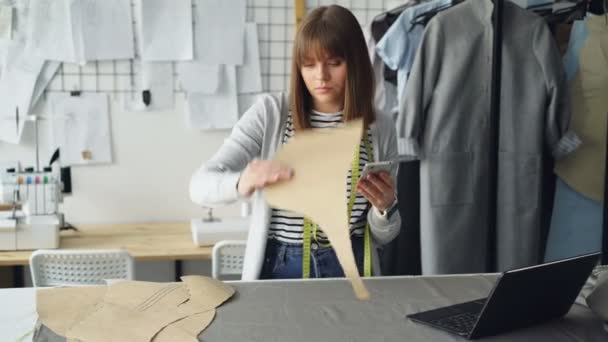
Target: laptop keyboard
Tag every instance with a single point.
(462, 323)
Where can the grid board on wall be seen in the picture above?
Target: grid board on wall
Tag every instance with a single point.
(275, 22)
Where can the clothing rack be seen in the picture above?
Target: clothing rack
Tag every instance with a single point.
(494, 123)
(599, 7)
(605, 207)
(574, 12)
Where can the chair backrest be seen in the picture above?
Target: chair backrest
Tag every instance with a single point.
(227, 258)
(56, 267)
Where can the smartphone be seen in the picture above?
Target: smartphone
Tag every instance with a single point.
(376, 167)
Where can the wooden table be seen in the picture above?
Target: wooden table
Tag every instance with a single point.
(144, 241)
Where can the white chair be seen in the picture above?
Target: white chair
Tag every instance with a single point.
(227, 258)
(56, 267)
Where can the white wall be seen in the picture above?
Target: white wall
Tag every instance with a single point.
(154, 155)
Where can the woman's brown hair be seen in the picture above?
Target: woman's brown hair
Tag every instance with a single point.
(333, 31)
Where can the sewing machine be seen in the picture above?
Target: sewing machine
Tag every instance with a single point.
(210, 230)
(29, 209)
(29, 204)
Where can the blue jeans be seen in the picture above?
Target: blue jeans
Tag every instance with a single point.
(284, 260)
(576, 225)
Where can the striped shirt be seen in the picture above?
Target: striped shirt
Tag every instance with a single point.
(286, 226)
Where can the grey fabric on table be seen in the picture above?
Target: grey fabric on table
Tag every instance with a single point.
(327, 310)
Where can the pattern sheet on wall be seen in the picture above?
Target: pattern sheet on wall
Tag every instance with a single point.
(275, 29)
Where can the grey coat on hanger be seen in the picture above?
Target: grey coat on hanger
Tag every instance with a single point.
(444, 121)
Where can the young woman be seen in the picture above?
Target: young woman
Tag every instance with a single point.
(331, 83)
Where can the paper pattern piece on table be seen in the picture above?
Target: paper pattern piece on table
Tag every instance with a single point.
(322, 174)
(134, 310)
(187, 329)
(206, 292)
(166, 30)
(219, 35)
(146, 296)
(110, 322)
(60, 308)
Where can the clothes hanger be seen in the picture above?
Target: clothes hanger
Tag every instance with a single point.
(395, 12)
(424, 18)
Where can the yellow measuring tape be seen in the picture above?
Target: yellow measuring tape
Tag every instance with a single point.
(310, 228)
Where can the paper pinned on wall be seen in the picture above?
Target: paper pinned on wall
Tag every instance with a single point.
(6, 22)
(106, 29)
(249, 77)
(155, 88)
(81, 128)
(49, 69)
(19, 76)
(50, 31)
(81, 31)
(166, 30)
(219, 33)
(3, 53)
(11, 124)
(217, 111)
(158, 79)
(196, 77)
(21, 16)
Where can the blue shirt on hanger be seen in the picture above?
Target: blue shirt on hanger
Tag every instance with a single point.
(578, 36)
(399, 45)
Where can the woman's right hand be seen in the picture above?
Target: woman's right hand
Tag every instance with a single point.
(260, 173)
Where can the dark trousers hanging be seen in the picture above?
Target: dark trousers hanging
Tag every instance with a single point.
(402, 255)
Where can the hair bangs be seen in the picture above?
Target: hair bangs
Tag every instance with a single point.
(319, 42)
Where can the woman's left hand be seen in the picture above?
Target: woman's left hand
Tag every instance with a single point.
(379, 189)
